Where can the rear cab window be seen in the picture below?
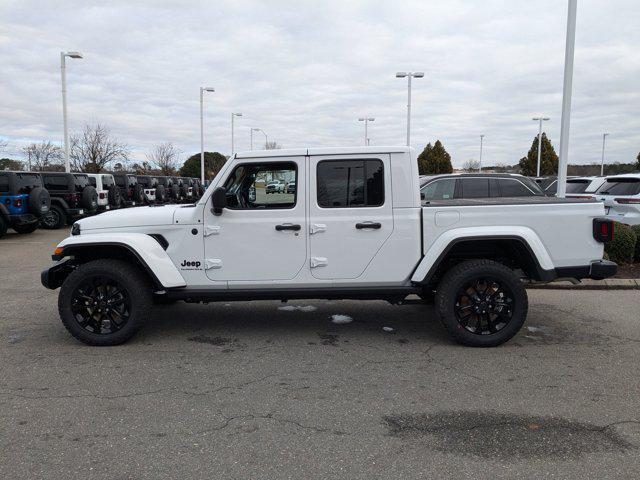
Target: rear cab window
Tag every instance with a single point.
(350, 183)
(4, 184)
(620, 186)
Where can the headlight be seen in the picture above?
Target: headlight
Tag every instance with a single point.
(75, 229)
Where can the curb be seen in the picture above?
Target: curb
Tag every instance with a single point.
(588, 284)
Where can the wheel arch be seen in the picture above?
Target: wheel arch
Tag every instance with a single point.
(513, 250)
(142, 250)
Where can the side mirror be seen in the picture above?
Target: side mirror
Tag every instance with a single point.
(219, 200)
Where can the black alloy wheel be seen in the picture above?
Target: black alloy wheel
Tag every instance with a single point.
(484, 306)
(101, 305)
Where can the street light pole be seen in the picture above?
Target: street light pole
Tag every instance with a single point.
(233, 115)
(63, 68)
(566, 98)
(409, 76)
(481, 141)
(202, 90)
(366, 121)
(539, 119)
(266, 139)
(604, 137)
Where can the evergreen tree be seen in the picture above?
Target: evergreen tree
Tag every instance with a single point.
(637, 165)
(213, 162)
(548, 159)
(434, 160)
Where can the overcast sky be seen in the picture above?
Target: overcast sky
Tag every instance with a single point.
(305, 71)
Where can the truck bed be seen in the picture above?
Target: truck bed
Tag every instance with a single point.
(470, 202)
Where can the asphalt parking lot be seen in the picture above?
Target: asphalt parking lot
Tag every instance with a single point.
(254, 390)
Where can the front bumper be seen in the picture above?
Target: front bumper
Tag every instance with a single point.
(54, 276)
(598, 270)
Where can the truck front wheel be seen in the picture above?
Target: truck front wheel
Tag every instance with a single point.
(105, 302)
(481, 303)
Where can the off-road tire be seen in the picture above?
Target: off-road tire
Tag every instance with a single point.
(161, 194)
(138, 194)
(89, 199)
(39, 201)
(3, 226)
(130, 278)
(447, 296)
(24, 229)
(55, 219)
(114, 197)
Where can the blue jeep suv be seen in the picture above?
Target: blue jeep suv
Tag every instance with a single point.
(23, 201)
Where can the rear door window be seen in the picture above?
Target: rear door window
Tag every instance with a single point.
(82, 181)
(577, 186)
(120, 181)
(350, 183)
(513, 188)
(443, 189)
(4, 184)
(620, 186)
(475, 188)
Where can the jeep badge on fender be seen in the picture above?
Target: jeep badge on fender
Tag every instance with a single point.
(186, 263)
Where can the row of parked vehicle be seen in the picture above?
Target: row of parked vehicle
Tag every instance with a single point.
(55, 199)
(619, 193)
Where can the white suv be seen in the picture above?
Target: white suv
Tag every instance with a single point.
(108, 193)
(621, 197)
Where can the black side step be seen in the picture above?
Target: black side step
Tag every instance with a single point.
(392, 294)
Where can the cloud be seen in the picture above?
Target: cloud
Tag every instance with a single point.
(304, 72)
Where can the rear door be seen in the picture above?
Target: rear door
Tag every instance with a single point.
(350, 213)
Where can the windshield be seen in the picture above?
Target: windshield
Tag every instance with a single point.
(25, 182)
(577, 186)
(620, 186)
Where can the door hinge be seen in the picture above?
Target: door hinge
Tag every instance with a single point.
(212, 263)
(319, 262)
(211, 230)
(317, 228)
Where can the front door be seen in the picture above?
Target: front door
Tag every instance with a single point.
(261, 234)
(350, 213)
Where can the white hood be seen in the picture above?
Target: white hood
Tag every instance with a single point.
(130, 217)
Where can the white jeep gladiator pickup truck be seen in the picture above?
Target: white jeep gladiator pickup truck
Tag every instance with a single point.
(350, 227)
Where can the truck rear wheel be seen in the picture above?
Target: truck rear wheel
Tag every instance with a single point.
(56, 218)
(105, 302)
(481, 303)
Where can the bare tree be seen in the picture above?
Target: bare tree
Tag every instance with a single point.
(273, 145)
(43, 156)
(95, 149)
(165, 157)
(471, 165)
(3, 144)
